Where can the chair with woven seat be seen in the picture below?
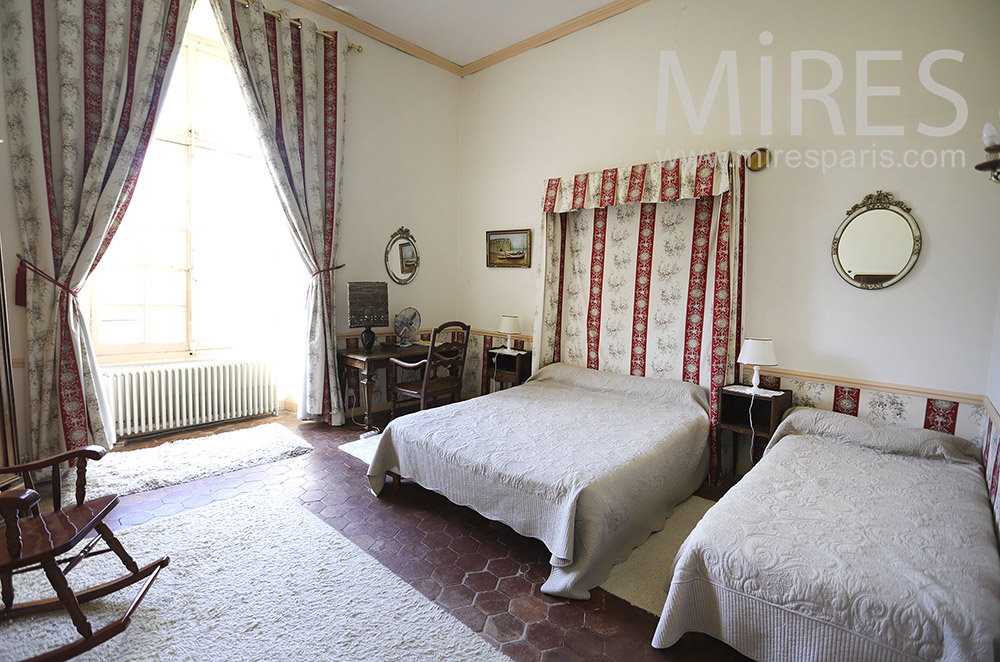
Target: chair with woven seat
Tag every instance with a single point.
(442, 369)
(35, 540)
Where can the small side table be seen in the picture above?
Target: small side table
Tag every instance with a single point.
(508, 369)
(735, 415)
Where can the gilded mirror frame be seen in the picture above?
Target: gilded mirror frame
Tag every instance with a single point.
(408, 271)
(871, 202)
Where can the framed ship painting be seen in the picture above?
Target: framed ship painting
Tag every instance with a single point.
(508, 248)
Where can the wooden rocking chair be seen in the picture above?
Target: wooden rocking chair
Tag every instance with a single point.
(35, 540)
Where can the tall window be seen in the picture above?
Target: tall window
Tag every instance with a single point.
(203, 261)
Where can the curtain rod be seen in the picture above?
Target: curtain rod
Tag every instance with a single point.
(298, 23)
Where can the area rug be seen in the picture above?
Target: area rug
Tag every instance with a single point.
(363, 449)
(181, 461)
(641, 579)
(256, 577)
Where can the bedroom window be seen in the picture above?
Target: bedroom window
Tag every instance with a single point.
(203, 260)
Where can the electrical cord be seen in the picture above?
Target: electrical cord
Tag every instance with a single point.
(375, 430)
(753, 434)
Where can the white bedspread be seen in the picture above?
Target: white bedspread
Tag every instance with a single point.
(588, 462)
(849, 541)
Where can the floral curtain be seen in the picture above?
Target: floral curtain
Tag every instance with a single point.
(82, 82)
(642, 272)
(291, 78)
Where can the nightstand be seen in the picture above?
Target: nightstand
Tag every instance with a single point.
(735, 415)
(508, 369)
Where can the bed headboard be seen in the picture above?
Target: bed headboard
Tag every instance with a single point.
(963, 416)
(640, 272)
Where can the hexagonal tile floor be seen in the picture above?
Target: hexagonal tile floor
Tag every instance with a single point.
(480, 571)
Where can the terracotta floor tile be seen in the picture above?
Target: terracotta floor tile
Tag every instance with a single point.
(504, 627)
(482, 581)
(520, 651)
(545, 635)
(471, 562)
(529, 609)
(456, 596)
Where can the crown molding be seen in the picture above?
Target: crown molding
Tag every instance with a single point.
(378, 34)
(569, 27)
(573, 25)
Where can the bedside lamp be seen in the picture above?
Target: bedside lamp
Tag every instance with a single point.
(757, 352)
(367, 306)
(510, 324)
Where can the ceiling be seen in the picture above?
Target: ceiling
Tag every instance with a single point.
(464, 31)
(464, 36)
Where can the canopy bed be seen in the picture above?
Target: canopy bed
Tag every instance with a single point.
(640, 275)
(850, 540)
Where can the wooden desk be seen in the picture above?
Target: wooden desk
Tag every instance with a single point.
(369, 364)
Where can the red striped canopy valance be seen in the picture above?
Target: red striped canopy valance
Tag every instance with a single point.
(661, 181)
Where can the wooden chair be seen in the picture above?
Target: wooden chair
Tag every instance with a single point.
(35, 539)
(442, 369)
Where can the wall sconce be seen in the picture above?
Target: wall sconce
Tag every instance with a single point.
(992, 141)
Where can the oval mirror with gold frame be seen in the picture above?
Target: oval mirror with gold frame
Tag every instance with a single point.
(401, 257)
(877, 244)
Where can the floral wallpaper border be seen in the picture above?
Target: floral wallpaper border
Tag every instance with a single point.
(958, 418)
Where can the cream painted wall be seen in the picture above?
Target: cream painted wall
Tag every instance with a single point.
(589, 101)
(993, 387)
(400, 164)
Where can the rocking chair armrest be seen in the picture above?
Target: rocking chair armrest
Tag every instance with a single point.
(22, 499)
(89, 452)
(411, 366)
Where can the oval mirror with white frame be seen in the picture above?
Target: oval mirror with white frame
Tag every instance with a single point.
(877, 244)
(401, 257)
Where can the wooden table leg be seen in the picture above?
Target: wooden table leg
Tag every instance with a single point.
(367, 386)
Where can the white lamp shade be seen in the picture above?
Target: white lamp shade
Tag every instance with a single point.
(757, 351)
(990, 135)
(510, 324)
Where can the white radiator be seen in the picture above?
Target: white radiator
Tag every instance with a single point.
(164, 396)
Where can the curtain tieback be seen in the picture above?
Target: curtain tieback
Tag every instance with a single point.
(21, 282)
(322, 271)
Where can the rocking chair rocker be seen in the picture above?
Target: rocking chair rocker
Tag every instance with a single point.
(35, 541)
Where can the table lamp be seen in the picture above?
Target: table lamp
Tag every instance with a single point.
(757, 352)
(510, 324)
(367, 306)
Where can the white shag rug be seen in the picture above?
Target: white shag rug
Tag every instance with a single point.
(642, 579)
(256, 577)
(363, 449)
(184, 460)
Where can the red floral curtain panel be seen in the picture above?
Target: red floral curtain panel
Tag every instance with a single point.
(642, 272)
(291, 79)
(82, 82)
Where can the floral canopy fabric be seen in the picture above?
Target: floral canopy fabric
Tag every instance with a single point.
(642, 272)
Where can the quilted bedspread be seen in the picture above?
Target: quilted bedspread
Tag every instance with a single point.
(850, 540)
(588, 462)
